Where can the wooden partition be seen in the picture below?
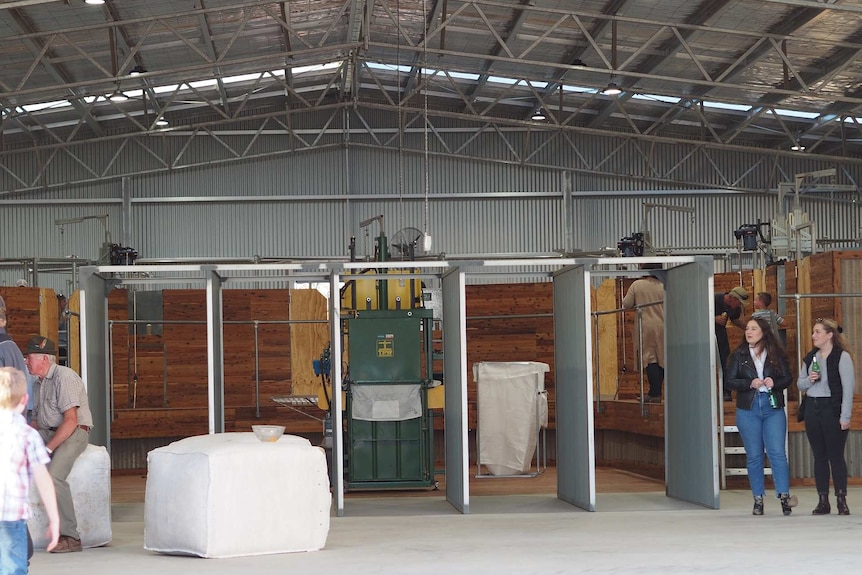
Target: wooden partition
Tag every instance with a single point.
(510, 322)
(837, 272)
(160, 375)
(30, 311)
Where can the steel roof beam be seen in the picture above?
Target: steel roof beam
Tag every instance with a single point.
(707, 10)
(516, 22)
(828, 66)
(418, 58)
(56, 71)
(755, 52)
(354, 33)
(597, 30)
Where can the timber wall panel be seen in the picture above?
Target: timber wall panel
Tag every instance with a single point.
(30, 311)
(509, 339)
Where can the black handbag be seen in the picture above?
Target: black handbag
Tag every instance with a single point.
(800, 415)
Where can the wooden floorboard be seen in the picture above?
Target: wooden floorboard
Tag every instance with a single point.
(130, 488)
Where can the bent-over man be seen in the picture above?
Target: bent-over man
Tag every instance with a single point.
(61, 414)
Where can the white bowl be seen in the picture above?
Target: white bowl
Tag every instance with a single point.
(268, 433)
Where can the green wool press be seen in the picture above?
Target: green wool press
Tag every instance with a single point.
(390, 441)
(390, 434)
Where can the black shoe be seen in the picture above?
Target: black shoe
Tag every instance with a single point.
(842, 504)
(758, 505)
(788, 502)
(652, 399)
(823, 507)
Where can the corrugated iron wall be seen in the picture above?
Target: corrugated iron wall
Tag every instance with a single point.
(802, 463)
(309, 204)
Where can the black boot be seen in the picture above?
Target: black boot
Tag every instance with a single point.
(841, 496)
(788, 502)
(758, 505)
(823, 507)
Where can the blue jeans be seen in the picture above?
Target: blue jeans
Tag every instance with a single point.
(763, 427)
(13, 547)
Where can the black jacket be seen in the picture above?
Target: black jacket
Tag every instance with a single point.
(740, 371)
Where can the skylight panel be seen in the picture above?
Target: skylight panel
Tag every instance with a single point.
(797, 114)
(45, 105)
(725, 106)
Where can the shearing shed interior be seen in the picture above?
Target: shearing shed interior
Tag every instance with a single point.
(403, 233)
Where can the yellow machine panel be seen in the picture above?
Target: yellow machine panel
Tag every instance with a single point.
(403, 293)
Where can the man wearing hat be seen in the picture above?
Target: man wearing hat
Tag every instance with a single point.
(728, 306)
(62, 416)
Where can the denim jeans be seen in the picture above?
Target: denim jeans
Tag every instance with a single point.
(763, 427)
(13, 547)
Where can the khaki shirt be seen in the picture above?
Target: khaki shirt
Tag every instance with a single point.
(60, 390)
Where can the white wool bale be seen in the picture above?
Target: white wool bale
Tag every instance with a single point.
(229, 495)
(90, 482)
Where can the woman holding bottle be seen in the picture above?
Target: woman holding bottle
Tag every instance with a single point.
(826, 376)
(759, 372)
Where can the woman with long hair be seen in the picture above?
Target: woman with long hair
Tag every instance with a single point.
(759, 372)
(826, 376)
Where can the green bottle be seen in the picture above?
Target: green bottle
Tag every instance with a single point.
(815, 365)
(773, 399)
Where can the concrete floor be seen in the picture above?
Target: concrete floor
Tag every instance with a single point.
(631, 533)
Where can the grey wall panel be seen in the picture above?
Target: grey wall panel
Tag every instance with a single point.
(307, 173)
(603, 221)
(691, 424)
(468, 226)
(238, 230)
(455, 392)
(802, 462)
(576, 462)
(380, 172)
(95, 371)
(600, 162)
(309, 204)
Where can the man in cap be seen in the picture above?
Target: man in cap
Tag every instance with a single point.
(62, 416)
(728, 306)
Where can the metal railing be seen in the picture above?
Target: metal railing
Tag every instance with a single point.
(150, 322)
(638, 309)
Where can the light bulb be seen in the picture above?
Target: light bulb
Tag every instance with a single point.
(612, 89)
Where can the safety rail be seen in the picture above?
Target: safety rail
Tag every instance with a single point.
(150, 322)
(638, 309)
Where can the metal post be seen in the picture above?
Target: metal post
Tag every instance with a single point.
(111, 364)
(598, 371)
(164, 377)
(256, 371)
(641, 352)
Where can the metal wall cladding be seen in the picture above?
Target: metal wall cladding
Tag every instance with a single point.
(239, 230)
(132, 453)
(31, 231)
(608, 164)
(317, 172)
(802, 463)
(309, 204)
(602, 221)
(472, 225)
